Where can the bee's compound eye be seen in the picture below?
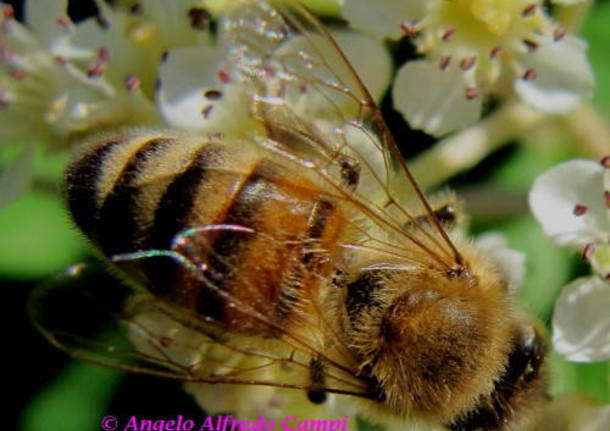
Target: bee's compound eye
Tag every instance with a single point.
(316, 397)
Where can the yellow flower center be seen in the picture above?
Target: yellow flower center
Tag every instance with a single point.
(496, 15)
(487, 19)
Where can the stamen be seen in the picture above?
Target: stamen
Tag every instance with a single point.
(447, 34)
(607, 198)
(103, 54)
(213, 94)
(530, 45)
(559, 33)
(529, 10)
(96, 69)
(64, 21)
(587, 251)
(8, 12)
(529, 75)
(605, 162)
(18, 74)
(495, 51)
(164, 56)
(60, 60)
(206, 111)
(468, 63)
(132, 82)
(3, 99)
(303, 86)
(445, 62)
(224, 76)
(580, 210)
(408, 29)
(472, 93)
(200, 18)
(6, 54)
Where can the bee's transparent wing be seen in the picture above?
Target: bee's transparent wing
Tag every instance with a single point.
(317, 112)
(92, 316)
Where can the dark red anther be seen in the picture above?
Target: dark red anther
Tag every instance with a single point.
(8, 12)
(408, 29)
(96, 69)
(224, 76)
(580, 210)
(60, 60)
(468, 63)
(64, 21)
(531, 46)
(529, 75)
(607, 198)
(445, 62)
(447, 34)
(605, 162)
(472, 93)
(19, 74)
(495, 51)
(206, 111)
(587, 251)
(529, 10)
(199, 18)
(559, 33)
(103, 54)
(132, 82)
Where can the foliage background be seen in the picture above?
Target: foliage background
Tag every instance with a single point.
(52, 392)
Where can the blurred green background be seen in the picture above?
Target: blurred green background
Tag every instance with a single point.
(49, 391)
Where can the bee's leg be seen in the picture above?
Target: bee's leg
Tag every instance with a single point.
(448, 211)
(317, 376)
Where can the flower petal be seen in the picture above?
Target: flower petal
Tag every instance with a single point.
(382, 18)
(434, 100)
(511, 263)
(51, 26)
(568, 201)
(568, 2)
(563, 75)
(192, 94)
(581, 323)
(370, 59)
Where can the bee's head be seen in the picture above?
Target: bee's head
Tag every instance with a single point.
(440, 343)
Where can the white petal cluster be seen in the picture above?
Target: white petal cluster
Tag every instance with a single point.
(474, 47)
(572, 203)
(154, 63)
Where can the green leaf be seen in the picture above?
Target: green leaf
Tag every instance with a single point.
(590, 378)
(75, 401)
(596, 32)
(38, 239)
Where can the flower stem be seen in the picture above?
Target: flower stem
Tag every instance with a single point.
(464, 150)
(590, 131)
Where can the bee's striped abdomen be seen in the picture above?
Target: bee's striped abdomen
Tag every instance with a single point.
(139, 192)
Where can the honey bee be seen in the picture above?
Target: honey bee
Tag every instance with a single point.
(304, 256)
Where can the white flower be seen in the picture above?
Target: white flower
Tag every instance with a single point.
(572, 203)
(154, 63)
(474, 47)
(510, 263)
